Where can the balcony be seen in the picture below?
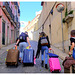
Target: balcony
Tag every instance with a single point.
(16, 4)
(18, 24)
(16, 19)
(7, 10)
(18, 10)
(69, 18)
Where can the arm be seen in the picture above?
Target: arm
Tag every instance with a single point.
(49, 46)
(38, 49)
(28, 42)
(48, 42)
(72, 46)
(17, 41)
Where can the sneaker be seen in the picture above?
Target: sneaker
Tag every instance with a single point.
(22, 62)
(20, 59)
(42, 64)
(46, 66)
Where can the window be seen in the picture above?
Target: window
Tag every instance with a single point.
(3, 33)
(45, 3)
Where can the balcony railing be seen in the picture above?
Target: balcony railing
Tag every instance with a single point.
(18, 10)
(19, 25)
(16, 19)
(15, 3)
(12, 16)
(6, 5)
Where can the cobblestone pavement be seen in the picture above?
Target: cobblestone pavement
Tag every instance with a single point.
(29, 69)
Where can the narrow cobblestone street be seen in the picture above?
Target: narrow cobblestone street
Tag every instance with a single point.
(29, 69)
(50, 24)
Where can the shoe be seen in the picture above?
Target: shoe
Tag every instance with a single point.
(20, 59)
(42, 64)
(22, 62)
(46, 66)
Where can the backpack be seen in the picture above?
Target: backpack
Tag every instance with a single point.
(22, 36)
(44, 41)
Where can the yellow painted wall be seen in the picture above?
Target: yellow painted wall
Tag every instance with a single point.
(30, 27)
(56, 27)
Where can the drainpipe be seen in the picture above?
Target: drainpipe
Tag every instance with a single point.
(50, 33)
(62, 34)
(0, 25)
(42, 28)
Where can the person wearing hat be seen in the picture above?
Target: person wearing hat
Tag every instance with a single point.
(43, 46)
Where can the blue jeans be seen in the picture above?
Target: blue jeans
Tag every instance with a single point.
(44, 48)
(73, 55)
(22, 46)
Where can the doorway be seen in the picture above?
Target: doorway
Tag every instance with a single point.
(3, 33)
(7, 35)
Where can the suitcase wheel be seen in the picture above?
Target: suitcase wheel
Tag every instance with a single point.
(7, 65)
(56, 71)
(28, 64)
(16, 64)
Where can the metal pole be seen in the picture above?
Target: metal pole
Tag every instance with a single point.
(62, 34)
(50, 32)
(42, 28)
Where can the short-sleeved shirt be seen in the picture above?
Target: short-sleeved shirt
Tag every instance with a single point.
(25, 39)
(72, 40)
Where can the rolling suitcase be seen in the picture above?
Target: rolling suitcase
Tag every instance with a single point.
(71, 69)
(54, 65)
(12, 57)
(28, 57)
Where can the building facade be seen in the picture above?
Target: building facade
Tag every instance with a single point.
(50, 22)
(31, 26)
(9, 22)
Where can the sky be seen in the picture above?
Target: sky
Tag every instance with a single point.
(28, 11)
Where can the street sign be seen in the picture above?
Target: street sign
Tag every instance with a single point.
(60, 7)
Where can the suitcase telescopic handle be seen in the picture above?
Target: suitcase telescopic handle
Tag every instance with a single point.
(51, 50)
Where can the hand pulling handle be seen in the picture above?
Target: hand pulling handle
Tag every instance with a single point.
(15, 47)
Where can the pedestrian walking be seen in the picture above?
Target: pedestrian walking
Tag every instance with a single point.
(18, 38)
(43, 45)
(72, 40)
(22, 40)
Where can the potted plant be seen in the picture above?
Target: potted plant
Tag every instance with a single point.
(68, 16)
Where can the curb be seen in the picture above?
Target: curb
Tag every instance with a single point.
(59, 53)
(3, 49)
